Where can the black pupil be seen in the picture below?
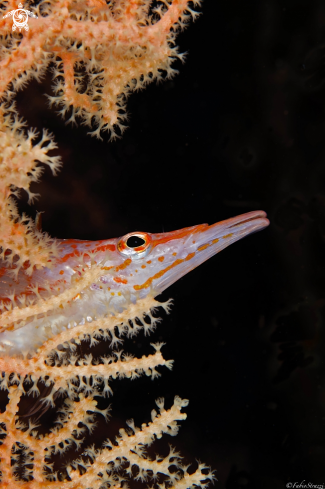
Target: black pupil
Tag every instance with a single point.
(135, 241)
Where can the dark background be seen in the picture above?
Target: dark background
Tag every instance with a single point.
(241, 128)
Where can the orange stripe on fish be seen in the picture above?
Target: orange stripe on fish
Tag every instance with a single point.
(162, 272)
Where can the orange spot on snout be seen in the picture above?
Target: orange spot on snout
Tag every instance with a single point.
(189, 257)
(203, 247)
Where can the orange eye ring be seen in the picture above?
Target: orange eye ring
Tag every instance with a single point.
(135, 245)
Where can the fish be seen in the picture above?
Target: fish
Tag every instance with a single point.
(95, 279)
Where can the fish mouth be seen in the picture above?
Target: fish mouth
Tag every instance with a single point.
(204, 241)
(222, 234)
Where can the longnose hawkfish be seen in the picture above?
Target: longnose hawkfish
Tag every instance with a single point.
(91, 282)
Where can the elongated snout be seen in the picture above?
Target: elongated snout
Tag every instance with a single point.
(197, 244)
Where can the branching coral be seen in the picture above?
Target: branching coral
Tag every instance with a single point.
(27, 457)
(100, 52)
(110, 466)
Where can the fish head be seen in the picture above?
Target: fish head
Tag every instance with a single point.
(142, 263)
(94, 279)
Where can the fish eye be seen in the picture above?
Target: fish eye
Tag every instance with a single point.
(134, 245)
(134, 241)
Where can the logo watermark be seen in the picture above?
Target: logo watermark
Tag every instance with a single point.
(304, 485)
(20, 18)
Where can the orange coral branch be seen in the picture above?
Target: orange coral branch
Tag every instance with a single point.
(101, 53)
